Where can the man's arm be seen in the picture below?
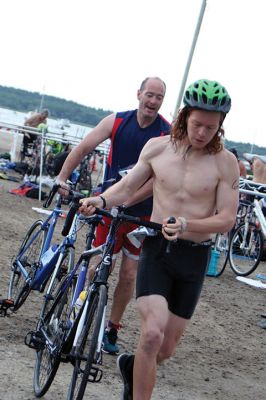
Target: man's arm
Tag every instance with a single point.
(125, 189)
(99, 134)
(227, 200)
(142, 194)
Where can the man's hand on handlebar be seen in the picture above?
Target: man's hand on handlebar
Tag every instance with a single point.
(172, 228)
(64, 187)
(88, 205)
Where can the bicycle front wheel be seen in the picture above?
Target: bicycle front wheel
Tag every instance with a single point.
(53, 328)
(86, 352)
(245, 251)
(31, 249)
(85, 180)
(53, 282)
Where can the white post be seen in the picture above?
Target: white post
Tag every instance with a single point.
(41, 165)
(14, 146)
(184, 80)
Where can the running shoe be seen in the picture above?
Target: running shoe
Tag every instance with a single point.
(125, 364)
(109, 342)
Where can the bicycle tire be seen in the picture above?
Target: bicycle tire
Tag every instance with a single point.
(66, 266)
(222, 246)
(19, 289)
(56, 325)
(85, 179)
(244, 260)
(87, 345)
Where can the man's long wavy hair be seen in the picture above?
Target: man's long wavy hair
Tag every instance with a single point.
(179, 131)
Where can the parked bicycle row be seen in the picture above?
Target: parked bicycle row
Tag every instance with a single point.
(244, 246)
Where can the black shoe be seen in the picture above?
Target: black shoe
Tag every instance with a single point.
(125, 364)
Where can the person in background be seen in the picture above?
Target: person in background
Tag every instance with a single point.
(129, 131)
(242, 168)
(34, 121)
(195, 180)
(258, 166)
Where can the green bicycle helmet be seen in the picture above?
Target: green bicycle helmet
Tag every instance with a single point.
(207, 95)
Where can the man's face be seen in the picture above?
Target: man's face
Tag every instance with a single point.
(202, 127)
(151, 98)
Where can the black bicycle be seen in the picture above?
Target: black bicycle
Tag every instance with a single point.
(79, 340)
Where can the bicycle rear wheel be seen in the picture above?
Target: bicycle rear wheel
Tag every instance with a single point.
(53, 329)
(86, 351)
(245, 251)
(19, 289)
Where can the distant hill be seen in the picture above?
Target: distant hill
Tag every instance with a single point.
(245, 148)
(24, 101)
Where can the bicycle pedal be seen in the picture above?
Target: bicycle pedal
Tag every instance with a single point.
(95, 375)
(65, 358)
(34, 340)
(5, 305)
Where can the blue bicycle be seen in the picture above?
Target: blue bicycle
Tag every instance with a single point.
(78, 339)
(32, 268)
(55, 329)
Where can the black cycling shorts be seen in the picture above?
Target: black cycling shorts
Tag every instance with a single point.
(176, 273)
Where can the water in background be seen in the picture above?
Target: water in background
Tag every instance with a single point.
(63, 126)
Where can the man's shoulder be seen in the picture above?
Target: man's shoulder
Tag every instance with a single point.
(227, 162)
(124, 114)
(164, 120)
(156, 145)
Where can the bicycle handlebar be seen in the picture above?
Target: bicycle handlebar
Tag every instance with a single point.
(116, 213)
(252, 192)
(51, 195)
(250, 185)
(76, 197)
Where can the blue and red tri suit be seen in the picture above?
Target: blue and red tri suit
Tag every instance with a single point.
(127, 141)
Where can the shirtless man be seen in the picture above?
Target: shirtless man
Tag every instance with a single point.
(33, 121)
(259, 170)
(258, 166)
(37, 118)
(195, 180)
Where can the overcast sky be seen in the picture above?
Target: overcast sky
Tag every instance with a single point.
(97, 52)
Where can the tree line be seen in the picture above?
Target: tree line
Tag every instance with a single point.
(25, 101)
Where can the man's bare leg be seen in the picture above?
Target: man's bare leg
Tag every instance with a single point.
(124, 289)
(154, 316)
(160, 333)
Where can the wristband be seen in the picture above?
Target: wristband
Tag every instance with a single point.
(104, 201)
(183, 223)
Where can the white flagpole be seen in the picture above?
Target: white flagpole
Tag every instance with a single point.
(184, 80)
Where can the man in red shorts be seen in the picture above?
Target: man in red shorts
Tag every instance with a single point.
(129, 131)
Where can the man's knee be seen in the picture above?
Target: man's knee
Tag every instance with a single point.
(151, 339)
(128, 270)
